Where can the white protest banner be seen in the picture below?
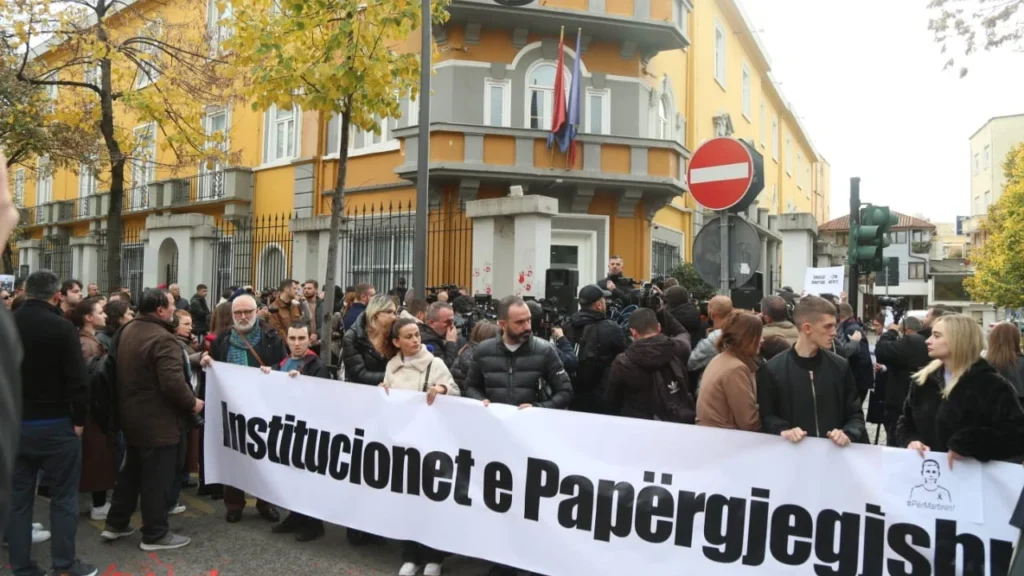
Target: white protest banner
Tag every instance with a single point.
(825, 280)
(568, 494)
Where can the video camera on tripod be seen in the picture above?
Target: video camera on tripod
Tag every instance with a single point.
(451, 289)
(898, 305)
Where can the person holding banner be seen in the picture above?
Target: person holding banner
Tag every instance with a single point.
(252, 342)
(416, 368)
(305, 362)
(728, 396)
(959, 403)
(810, 391)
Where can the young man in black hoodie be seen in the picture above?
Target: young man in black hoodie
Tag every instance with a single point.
(810, 391)
(300, 361)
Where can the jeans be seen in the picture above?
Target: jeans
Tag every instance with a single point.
(147, 475)
(53, 448)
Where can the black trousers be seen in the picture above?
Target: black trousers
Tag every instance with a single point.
(147, 476)
(892, 416)
(419, 554)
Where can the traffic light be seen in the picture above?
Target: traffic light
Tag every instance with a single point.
(869, 238)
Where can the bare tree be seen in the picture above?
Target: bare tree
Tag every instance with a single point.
(974, 25)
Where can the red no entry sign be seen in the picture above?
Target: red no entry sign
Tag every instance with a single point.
(723, 171)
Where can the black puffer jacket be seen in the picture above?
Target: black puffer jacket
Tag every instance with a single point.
(903, 356)
(505, 377)
(439, 346)
(363, 364)
(460, 369)
(982, 418)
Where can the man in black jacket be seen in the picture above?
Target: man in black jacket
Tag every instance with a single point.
(10, 368)
(810, 391)
(852, 344)
(903, 356)
(679, 305)
(199, 309)
(301, 360)
(597, 341)
(56, 403)
(518, 369)
(614, 281)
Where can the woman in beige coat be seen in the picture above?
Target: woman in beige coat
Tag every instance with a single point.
(415, 368)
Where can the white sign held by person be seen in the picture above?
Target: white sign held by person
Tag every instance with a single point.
(568, 494)
(825, 280)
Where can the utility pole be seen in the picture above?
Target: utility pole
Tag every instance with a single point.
(852, 290)
(419, 254)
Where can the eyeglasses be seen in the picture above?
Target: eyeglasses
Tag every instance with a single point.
(243, 312)
(389, 312)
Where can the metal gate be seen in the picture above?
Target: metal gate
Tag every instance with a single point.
(252, 251)
(133, 254)
(56, 256)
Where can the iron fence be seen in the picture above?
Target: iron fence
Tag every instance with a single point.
(133, 257)
(664, 258)
(252, 251)
(203, 187)
(55, 255)
(135, 198)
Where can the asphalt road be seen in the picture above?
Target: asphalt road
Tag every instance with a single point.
(221, 549)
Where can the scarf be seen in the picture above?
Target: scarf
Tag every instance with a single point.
(238, 352)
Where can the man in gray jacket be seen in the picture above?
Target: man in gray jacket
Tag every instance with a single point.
(719, 309)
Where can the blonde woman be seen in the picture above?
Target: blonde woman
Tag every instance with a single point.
(367, 344)
(960, 403)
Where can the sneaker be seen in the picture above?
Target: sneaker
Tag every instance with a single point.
(432, 569)
(100, 513)
(169, 542)
(79, 568)
(40, 536)
(110, 533)
(37, 526)
(408, 569)
(177, 509)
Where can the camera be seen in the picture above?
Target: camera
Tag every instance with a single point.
(647, 297)
(898, 305)
(451, 289)
(550, 315)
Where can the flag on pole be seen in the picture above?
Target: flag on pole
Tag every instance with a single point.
(573, 124)
(559, 121)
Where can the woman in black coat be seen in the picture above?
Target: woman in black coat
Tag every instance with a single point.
(960, 404)
(367, 344)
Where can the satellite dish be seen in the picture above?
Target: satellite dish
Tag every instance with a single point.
(744, 252)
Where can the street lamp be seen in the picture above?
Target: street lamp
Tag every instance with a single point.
(419, 263)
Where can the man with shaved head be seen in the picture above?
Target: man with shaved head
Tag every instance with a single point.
(252, 342)
(719, 309)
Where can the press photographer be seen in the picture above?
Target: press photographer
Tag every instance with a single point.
(546, 319)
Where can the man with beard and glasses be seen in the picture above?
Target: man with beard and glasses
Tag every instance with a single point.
(250, 342)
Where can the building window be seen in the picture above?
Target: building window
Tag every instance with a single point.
(412, 116)
(217, 26)
(599, 118)
(789, 157)
(988, 198)
(898, 237)
(746, 93)
(149, 56)
(917, 236)
(540, 94)
(977, 165)
(843, 239)
(987, 158)
(664, 130)
(916, 271)
(143, 167)
(44, 181)
(682, 16)
(223, 260)
(19, 188)
(807, 181)
(282, 134)
(497, 102)
(369, 142)
(799, 172)
(664, 258)
(133, 258)
(720, 70)
(86, 181)
(775, 138)
(764, 125)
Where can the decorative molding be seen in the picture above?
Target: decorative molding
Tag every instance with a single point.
(581, 199)
(440, 34)
(628, 49)
(520, 36)
(628, 199)
(652, 204)
(468, 189)
(473, 32)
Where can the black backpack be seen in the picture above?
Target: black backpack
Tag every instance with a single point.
(593, 368)
(102, 374)
(672, 400)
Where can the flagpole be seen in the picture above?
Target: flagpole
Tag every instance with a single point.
(561, 48)
(571, 153)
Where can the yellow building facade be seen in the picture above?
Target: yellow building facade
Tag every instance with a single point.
(659, 78)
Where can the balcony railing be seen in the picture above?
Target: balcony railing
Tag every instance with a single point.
(200, 188)
(135, 198)
(64, 210)
(26, 216)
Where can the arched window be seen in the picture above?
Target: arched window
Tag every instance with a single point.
(540, 82)
(273, 267)
(664, 130)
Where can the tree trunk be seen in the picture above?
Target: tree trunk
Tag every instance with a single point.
(337, 210)
(115, 227)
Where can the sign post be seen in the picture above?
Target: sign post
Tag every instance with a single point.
(725, 174)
